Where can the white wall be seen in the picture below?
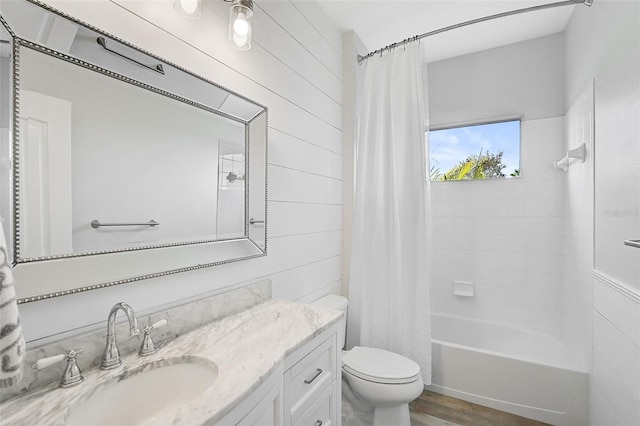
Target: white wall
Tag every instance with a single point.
(353, 80)
(295, 69)
(603, 43)
(503, 235)
(521, 78)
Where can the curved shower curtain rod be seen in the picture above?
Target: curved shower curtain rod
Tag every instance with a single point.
(474, 21)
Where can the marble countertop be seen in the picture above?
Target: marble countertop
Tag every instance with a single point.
(246, 348)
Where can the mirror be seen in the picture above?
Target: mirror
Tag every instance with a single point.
(118, 164)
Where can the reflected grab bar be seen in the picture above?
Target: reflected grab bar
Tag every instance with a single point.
(96, 224)
(103, 42)
(632, 243)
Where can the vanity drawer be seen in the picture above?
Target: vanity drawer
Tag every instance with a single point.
(308, 378)
(322, 412)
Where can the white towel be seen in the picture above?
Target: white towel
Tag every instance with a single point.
(12, 348)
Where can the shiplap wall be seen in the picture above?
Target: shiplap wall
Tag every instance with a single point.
(295, 69)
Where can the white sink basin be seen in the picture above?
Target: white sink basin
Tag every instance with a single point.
(141, 397)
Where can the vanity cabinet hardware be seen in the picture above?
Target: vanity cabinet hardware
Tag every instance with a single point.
(103, 42)
(147, 347)
(97, 224)
(71, 375)
(632, 243)
(252, 221)
(318, 372)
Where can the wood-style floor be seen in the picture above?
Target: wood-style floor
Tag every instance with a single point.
(433, 409)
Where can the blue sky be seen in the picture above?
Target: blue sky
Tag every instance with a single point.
(448, 147)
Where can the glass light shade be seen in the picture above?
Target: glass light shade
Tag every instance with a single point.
(190, 9)
(240, 28)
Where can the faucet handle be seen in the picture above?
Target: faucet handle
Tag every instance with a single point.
(147, 347)
(72, 374)
(45, 362)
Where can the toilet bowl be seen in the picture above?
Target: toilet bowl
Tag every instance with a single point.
(376, 379)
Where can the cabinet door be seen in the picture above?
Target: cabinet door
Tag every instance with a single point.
(323, 410)
(308, 378)
(269, 411)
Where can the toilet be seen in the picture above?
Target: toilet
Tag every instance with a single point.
(376, 379)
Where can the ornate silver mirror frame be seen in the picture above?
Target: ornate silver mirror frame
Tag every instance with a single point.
(46, 276)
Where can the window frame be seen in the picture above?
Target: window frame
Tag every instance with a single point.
(472, 123)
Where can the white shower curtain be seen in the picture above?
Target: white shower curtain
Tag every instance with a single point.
(389, 305)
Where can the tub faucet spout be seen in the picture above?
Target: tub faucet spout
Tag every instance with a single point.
(111, 357)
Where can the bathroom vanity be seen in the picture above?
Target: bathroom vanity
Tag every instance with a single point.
(276, 363)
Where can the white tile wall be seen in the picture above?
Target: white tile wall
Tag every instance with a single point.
(295, 69)
(578, 228)
(505, 236)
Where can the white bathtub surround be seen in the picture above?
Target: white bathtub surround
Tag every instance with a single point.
(245, 348)
(577, 294)
(602, 47)
(527, 373)
(615, 368)
(182, 317)
(388, 290)
(505, 236)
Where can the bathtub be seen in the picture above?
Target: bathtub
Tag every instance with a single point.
(523, 372)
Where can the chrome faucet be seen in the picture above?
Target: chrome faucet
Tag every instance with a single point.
(111, 357)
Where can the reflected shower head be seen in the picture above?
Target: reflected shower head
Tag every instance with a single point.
(232, 177)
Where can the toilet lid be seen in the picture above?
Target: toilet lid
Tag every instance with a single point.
(378, 365)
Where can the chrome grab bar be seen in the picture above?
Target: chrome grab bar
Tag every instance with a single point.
(632, 243)
(97, 224)
(103, 42)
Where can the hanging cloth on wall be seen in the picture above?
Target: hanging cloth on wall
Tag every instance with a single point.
(12, 347)
(389, 305)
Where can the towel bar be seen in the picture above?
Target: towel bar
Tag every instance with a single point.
(632, 243)
(96, 224)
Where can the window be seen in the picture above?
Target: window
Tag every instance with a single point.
(479, 151)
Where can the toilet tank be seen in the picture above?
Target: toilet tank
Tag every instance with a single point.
(339, 303)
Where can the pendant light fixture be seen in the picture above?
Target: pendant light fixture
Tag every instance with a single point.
(240, 29)
(190, 9)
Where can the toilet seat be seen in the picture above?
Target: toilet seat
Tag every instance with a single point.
(380, 366)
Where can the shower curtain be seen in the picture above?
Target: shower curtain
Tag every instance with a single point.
(389, 305)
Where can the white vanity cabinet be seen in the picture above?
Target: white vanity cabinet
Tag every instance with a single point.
(310, 381)
(269, 411)
(304, 391)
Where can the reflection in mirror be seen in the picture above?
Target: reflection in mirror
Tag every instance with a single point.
(5, 136)
(118, 154)
(118, 164)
